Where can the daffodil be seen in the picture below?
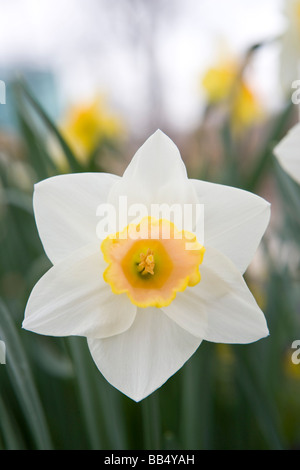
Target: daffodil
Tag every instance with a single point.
(146, 295)
(287, 153)
(87, 125)
(223, 84)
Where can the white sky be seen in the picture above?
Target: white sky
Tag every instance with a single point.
(106, 44)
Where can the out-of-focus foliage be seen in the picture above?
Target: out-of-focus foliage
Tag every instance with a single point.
(52, 396)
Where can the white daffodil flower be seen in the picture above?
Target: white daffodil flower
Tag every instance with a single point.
(287, 153)
(144, 300)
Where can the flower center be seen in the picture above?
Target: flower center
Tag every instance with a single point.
(154, 264)
(147, 262)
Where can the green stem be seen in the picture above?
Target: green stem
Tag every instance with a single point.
(85, 392)
(152, 422)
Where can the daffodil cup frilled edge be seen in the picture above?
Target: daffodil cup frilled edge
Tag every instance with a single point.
(143, 319)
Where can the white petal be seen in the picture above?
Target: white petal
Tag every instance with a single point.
(288, 154)
(288, 62)
(155, 176)
(289, 46)
(65, 210)
(220, 308)
(73, 299)
(2, 352)
(234, 220)
(140, 360)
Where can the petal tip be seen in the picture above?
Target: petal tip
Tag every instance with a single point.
(159, 132)
(161, 135)
(264, 332)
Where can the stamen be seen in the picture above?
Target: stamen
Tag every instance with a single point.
(147, 262)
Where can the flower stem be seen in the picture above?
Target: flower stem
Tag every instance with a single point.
(77, 352)
(151, 422)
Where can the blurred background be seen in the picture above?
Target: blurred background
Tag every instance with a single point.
(83, 85)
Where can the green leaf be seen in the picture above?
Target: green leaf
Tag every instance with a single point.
(71, 158)
(261, 404)
(11, 433)
(265, 158)
(22, 380)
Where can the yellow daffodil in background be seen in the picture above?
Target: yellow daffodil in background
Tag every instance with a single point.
(288, 153)
(290, 45)
(146, 297)
(223, 84)
(87, 125)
